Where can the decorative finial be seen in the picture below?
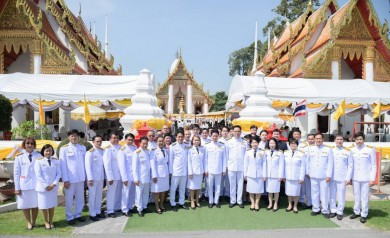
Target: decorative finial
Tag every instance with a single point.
(310, 3)
(80, 10)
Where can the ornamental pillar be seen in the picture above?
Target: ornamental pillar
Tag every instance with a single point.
(1, 61)
(334, 124)
(369, 64)
(37, 56)
(205, 107)
(170, 99)
(335, 58)
(312, 122)
(190, 104)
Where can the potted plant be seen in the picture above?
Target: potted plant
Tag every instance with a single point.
(31, 129)
(5, 117)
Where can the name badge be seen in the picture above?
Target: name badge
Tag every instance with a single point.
(70, 153)
(324, 153)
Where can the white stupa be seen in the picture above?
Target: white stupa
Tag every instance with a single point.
(258, 107)
(144, 103)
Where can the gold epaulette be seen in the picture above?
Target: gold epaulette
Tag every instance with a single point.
(92, 150)
(369, 146)
(248, 149)
(55, 158)
(346, 148)
(174, 143)
(229, 138)
(138, 150)
(208, 142)
(108, 146)
(40, 158)
(353, 145)
(19, 153)
(301, 151)
(66, 145)
(329, 146)
(263, 149)
(123, 147)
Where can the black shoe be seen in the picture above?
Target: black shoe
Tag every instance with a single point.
(231, 205)
(315, 213)
(80, 219)
(339, 217)
(141, 214)
(95, 218)
(295, 211)
(193, 208)
(363, 220)
(158, 211)
(198, 205)
(163, 209)
(127, 214)
(289, 210)
(241, 205)
(327, 216)
(146, 210)
(301, 204)
(184, 207)
(112, 215)
(119, 210)
(275, 210)
(217, 205)
(71, 222)
(332, 215)
(251, 209)
(354, 216)
(101, 215)
(210, 205)
(308, 207)
(174, 208)
(269, 208)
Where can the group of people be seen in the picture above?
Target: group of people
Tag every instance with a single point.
(228, 164)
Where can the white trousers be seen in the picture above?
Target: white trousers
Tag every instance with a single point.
(128, 196)
(306, 191)
(206, 187)
(95, 196)
(114, 194)
(214, 180)
(320, 192)
(236, 179)
(361, 192)
(177, 181)
(225, 185)
(337, 193)
(75, 193)
(141, 196)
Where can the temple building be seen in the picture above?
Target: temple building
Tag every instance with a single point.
(180, 93)
(335, 43)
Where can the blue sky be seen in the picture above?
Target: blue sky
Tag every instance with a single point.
(148, 33)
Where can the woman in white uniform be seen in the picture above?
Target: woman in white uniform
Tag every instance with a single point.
(275, 170)
(25, 181)
(254, 173)
(196, 157)
(48, 172)
(294, 172)
(160, 174)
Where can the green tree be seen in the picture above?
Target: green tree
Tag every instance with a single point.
(287, 9)
(220, 99)
(241, 60)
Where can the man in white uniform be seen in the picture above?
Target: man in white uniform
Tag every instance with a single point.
(215, 167)
(342, 174)
(73, 175)
(125, 156)
(363, 177)
(320, 169)
(236, 148)
(111, 167)
(306, 186)
(95, 176)
(178, 160)
(225, 186)
(151, 137)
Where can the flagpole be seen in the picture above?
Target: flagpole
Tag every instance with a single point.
(40, 124)
(379, 116)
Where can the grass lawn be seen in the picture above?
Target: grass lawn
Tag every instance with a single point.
(225, 218)
(13, 223)
(378, 214)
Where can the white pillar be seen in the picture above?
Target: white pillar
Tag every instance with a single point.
(334, 124)
(190, 104)
(369, 71)
(18, 115)
(368, 118)
(64, 121)
(205, 107)
(335, 70)
(37, 64)
(312, 121)
(170, 98)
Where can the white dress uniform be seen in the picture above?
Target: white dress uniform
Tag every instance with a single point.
(215, 165)
(25, 179)
(111, 167)
(255, 169)
(125, 162)
(236, 148)
(294, 171)
(48, 172)
(364, 171)
(141, 173)
(342, 172)
(95, 172)
(196, 159)
(159, 163)
(225, 183)
(152, 145)
(178, 158)
(306, 186)
(73, 171)
(320, 166)
(203, 142)
(275, 170)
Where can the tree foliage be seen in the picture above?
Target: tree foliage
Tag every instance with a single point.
(241, 60)
(220, 99)
(5, 113)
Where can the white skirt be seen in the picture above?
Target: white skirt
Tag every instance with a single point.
(196, 182)
(28, 199)
(293, 188)
(273, 185)
(255, 185)
(162, 185)
(47, 199)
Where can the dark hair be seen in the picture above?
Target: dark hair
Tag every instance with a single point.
(144, 138)
(129, 135)
(254, 138)
(160, 136)
(294, 141)
(359, 134)
(253, 126)
(204, 129)
(192, 141)
(214, 131)
(310, 135)
(97, 136)
(167, 135)
(263, 131)
(26, 139)
(237, 126)
(180, 132)
(92, 126)
(276, 130)
(319, 133)
(47, 146)
(338, 135)
(73, 132)
(82, 135)
(276, 142)
(297, 130)
(56, 127)
(225, 127)
(195, 126)
(114, 134)
(248, 136)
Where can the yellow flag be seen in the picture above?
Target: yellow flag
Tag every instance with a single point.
(340, 111)
(87, 115)
(377, 110)
(41, 113)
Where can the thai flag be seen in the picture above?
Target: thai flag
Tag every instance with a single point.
(300, 109)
